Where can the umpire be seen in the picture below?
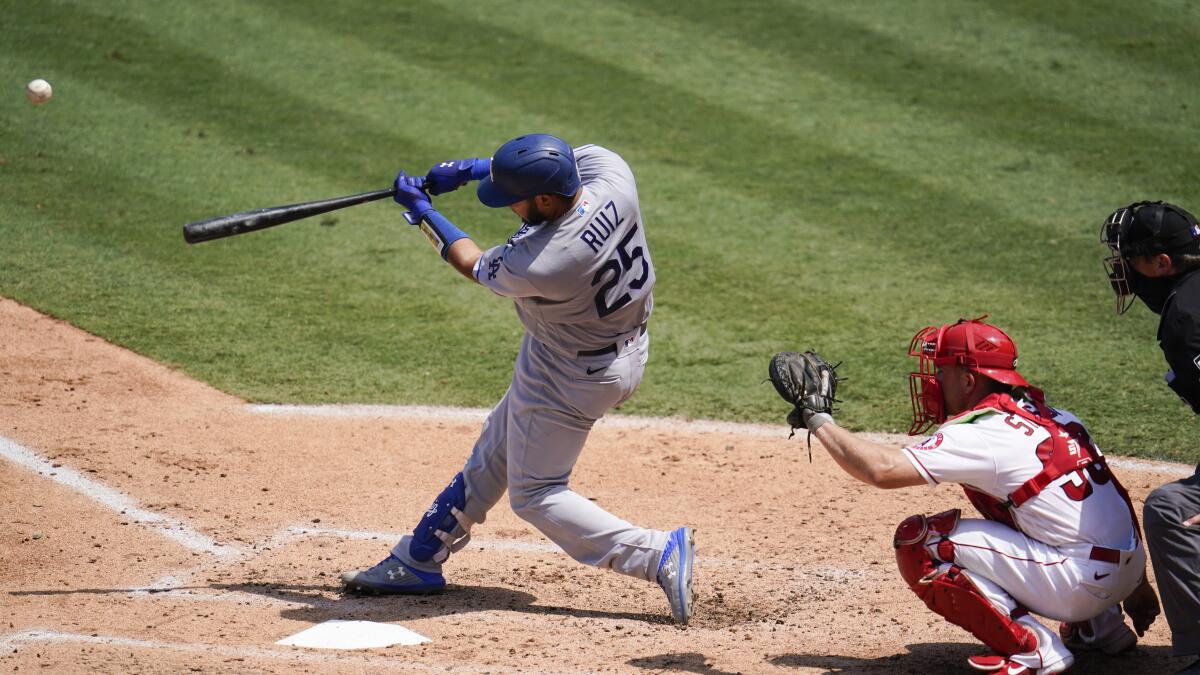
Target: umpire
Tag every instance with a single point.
(1156, 257)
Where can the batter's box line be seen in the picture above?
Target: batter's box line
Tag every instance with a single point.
(289, 535)
(798, 574)
(616, 421)
(171, 528)
(172, 584)
(450, 414)
(524, 546)
(191, 539)
(368, 661)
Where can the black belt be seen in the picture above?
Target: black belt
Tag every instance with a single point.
(611, 349)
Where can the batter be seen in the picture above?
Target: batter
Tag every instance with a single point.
(580, 275)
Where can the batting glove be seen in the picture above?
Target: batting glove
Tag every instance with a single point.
(410, 195)
(449, 176)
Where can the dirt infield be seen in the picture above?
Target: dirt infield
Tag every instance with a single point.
(152, 524)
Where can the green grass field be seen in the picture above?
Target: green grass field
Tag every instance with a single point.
(813, 175)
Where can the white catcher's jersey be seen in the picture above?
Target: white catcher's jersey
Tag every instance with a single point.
(996, 453)
(584, 280)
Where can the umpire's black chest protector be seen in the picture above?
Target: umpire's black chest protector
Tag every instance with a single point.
(1179, 338)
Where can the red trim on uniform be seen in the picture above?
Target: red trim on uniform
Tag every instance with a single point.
(1005, 555)
(913, 456)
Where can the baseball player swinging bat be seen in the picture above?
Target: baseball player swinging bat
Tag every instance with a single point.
(260, 219)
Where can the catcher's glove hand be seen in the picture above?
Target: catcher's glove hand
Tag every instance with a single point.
(807, 381)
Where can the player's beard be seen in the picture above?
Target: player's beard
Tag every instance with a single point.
(536, 215)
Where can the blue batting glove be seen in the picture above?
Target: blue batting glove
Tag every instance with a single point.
(449, 176)
(410, 195)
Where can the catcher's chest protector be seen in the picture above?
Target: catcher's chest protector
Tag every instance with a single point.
(1068, 449)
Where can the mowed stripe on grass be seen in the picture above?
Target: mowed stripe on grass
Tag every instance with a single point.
(812, 177)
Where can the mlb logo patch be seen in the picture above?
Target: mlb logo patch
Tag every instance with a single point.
(582, 209)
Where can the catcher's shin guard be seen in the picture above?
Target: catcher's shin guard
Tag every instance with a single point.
(444, 529)
(947, 590)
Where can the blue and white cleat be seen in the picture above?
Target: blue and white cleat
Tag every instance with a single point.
(675, 573)
(392, 576)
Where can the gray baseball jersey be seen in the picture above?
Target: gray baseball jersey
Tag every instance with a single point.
(585, 279)
(582, 286)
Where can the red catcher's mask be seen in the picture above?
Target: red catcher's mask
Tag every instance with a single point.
(972, 344)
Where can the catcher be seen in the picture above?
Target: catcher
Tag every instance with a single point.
(1058, 536)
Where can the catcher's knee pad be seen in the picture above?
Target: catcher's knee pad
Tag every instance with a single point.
(912, 537)
(444, 529)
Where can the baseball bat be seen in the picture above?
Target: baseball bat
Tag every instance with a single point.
(260, 219)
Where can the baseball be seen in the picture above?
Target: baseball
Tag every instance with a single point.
(38, 92)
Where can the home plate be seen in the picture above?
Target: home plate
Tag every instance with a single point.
(338, 634)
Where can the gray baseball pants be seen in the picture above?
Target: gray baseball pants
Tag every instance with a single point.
(530, 443)
(1175, 554)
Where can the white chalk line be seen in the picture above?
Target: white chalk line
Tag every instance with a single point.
(1169, 468)
(385, 662)
(172, 528)
(525, 546)
(476, 542)
(170, 585)
(191, 539)
(174, 585)
(450, 414)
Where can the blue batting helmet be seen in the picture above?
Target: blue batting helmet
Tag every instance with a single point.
(527, 166)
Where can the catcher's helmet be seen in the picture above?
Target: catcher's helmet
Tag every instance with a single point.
(972, 344)
(528, 166)
(1144, 228)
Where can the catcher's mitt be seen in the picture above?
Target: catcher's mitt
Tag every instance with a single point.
(807, 381)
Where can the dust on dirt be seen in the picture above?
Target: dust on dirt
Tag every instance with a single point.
(261, 513)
